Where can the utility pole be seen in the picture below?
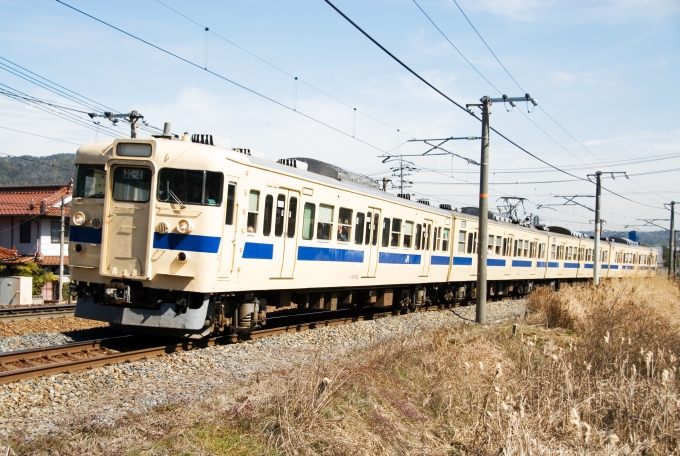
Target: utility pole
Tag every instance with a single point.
(671, 243)
(133, 117)
(483, 229)
(598, 227)
(61, 249)
(598, 221)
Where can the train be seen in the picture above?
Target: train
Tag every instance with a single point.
(188, 237)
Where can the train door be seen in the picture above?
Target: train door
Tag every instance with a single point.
(373, 245)
(507, 252)
(562, 252)
(126, 238)
(278, 233)
(290, 235)
(427, 245)
(533, 253)
(229, 231)
(472, 249)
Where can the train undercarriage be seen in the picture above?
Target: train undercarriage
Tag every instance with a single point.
(129, 306)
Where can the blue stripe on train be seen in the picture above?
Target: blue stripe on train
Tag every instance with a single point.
(85, 234)
(462, 261)
(188, 242)
(439, 260)
(521, 264)
(398, 258)
(330, 254)
(494, 262)
(257, 251)
(588, 265)
(571, 265)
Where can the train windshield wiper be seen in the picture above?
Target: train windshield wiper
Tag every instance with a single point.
(173, 196)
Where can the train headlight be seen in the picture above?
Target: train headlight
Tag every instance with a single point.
(185, 226)
(79, 218)
(182, 257)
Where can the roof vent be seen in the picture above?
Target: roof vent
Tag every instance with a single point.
(424, 201)
(211, 140)
(446, 207)
(242, 151)
(404, 195)
(293, 163)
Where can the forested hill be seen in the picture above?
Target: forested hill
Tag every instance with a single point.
(30, 170)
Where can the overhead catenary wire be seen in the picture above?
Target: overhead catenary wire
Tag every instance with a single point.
(540, 107)
(414, 73)
(278, 68)
(254, 92)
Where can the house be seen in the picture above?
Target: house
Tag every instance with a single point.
(30, 223)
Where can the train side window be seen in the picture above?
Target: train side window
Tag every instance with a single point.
(505, 247)
(436, 245)
(359, 229)
(580, 254)
(268, 211)
(325, 225)
(490, 245)
(231, 193)
(408, 234)
(280, 214)
(541, 250)
(461, 241)
(429, 235)
(369, 219)
(386, 232)
(499, 243)
(526, 249)
(292, 215)
(419, 234)
(553, 250)
(531, 250)
(344, 224)
(515, 250)
(376, 220)
(253, 210)
(471, 243)
(396, 232)
(445, 240)
(308, 221)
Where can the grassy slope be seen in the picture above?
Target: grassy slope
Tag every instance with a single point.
(603, 383)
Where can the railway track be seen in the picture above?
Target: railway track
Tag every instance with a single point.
(36, 312)
(37, 362)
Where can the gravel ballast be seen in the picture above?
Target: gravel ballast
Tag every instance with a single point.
(102, 395)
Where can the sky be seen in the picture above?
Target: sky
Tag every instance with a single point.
(605, 74)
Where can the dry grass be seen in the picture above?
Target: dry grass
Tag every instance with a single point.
(605, 384)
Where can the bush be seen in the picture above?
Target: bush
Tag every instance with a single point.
(40, 276)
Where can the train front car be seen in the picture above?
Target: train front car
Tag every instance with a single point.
(151, 241)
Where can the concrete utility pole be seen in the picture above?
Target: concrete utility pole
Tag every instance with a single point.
(598, 228)
(483, 229)
(61, 249)
(598, 221)
(671, 243)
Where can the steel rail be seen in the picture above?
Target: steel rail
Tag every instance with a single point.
(38, 362)
(36, 312)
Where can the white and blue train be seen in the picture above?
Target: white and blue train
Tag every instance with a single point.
(184, 237)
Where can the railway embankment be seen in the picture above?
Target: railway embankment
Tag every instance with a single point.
(591, 372)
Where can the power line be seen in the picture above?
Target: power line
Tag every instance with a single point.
(463, 108)
(41, 136)
(254, 92)
(295, 78)
(539, 107)
(55, 88)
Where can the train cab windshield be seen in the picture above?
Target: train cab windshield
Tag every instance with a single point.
(131, 184)
(186, 186)
(90, 181)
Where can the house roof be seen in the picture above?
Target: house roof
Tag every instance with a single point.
(12, 257)
(34, 199)
(8, 254)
